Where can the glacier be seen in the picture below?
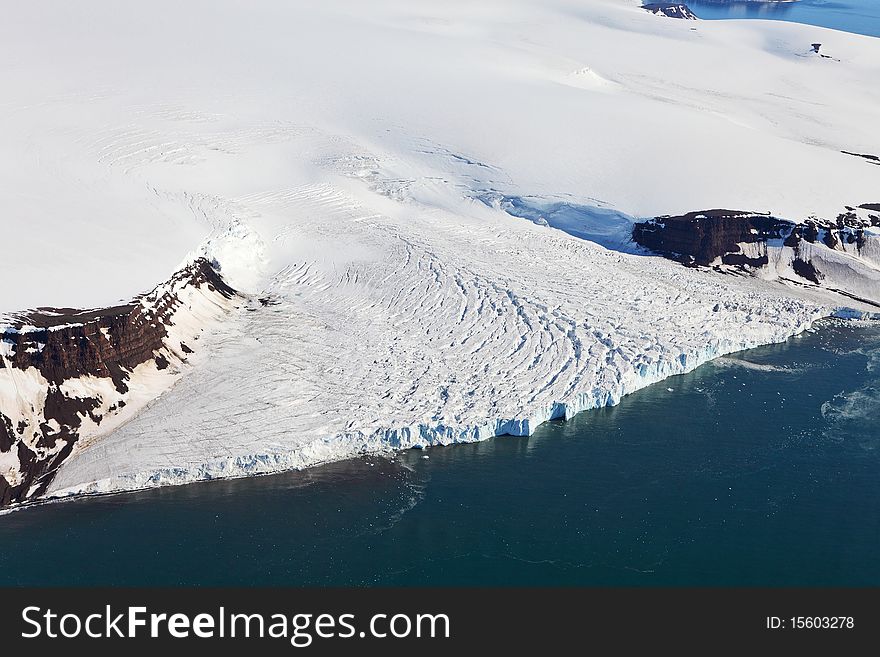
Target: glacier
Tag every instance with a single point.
(389, 187)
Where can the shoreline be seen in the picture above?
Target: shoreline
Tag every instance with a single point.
(384, 450)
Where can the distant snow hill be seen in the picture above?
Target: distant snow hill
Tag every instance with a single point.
(376, 226)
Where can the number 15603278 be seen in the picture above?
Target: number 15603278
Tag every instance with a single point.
(811, 623)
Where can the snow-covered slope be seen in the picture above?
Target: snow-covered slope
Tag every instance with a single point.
(337, 162)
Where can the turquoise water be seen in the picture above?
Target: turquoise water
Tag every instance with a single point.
(763, 469)
(859, 16)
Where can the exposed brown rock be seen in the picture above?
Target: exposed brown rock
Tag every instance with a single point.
(70, 343)
(702, 238)
(698, 238)
(101, 342)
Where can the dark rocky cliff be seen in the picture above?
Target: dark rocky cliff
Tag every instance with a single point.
(64, 344)
(710, 236)
(699, 238)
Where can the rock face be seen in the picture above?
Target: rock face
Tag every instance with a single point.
(842, 254)
(699, 238)
(670, 9)
(867, 157)
(65, 372)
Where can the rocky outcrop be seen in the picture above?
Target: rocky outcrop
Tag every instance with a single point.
(64, 372)
(670, 9)
(870, 159)
(718, 236)
(842, 254)
(700, 238)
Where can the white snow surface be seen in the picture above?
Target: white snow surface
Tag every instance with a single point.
(334, 159)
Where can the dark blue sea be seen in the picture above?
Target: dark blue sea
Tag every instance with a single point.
(759, 469)
(859, 16)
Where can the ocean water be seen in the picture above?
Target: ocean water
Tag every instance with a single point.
(859, 16)
(758, 469)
